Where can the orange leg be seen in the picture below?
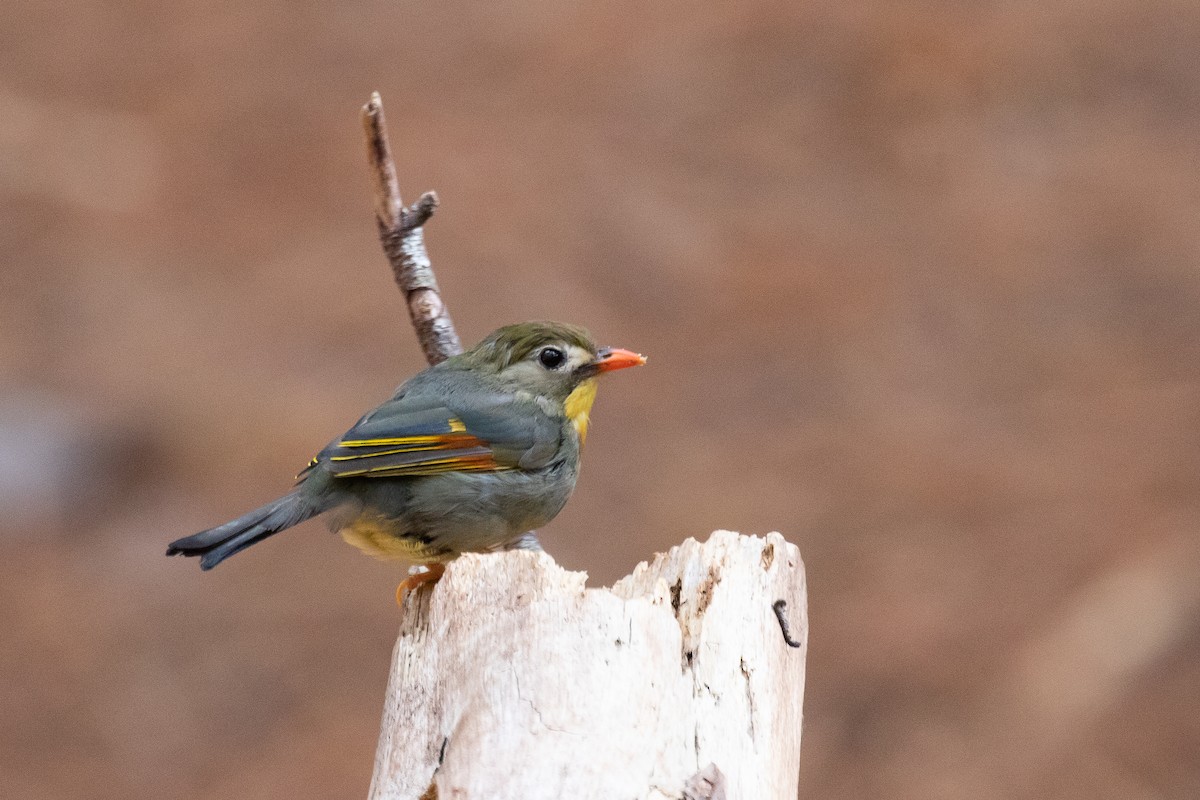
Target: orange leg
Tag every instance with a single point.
(432, 573)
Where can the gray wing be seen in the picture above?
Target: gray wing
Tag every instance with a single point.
(425, 432)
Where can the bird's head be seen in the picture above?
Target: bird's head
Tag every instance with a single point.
(553, 361)
(550, 359)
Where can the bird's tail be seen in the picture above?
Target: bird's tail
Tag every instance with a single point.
(217, 544)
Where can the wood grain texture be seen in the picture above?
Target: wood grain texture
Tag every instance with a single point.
(511, 680)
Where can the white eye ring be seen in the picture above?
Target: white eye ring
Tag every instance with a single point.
(552, 357)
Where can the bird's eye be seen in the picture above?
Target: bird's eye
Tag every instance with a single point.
(552, 358)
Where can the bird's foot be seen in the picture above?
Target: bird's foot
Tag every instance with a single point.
(432, 573)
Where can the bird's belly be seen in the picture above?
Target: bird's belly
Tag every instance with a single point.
(381, 539)
(438, 517)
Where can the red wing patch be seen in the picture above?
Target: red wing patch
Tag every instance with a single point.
(404, 456)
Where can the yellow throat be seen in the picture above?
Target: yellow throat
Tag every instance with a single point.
(579, 406)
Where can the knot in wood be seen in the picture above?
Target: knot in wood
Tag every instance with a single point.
(425, 304)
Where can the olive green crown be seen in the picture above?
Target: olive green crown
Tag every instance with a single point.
(513, 343)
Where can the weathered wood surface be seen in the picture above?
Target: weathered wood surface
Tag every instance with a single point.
(511, 680)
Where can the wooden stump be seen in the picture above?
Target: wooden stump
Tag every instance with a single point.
(511, 680)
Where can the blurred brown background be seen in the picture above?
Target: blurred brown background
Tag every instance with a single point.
(919, 286)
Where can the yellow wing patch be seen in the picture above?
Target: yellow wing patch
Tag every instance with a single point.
(456, 426)
(418, 454)
(467, 463)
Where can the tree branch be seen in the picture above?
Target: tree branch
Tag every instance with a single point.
(403, 239)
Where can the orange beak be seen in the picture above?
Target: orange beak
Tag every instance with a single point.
(611, 358)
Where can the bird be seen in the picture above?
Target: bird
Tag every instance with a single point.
(466, 456)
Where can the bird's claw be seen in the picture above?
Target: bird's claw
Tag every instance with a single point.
(431, 574)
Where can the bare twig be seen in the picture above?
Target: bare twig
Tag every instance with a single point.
(403, 242)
